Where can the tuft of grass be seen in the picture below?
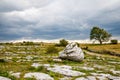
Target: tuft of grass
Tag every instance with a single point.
(56, 76)
(6, 74)
(51, 49)
(38, 69)
(29, 79)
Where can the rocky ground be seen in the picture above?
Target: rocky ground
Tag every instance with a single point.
(50, 67)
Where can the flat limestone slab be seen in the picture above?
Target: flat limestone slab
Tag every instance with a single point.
(4, 78)
(65, 70)
(38, 76)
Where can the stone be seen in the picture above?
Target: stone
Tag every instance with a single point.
(36, 65)
(91, 78)
(87, 68)
(101, 74)
(19, 60)
(57, 60)
(113, 78)
(46, 65)
(115, 72)
(29, 58)
(104, 75)
(81, 78)
(94, 74)
(101, 78)
(65, 70)
(99, 67)
(4, 78)
(62, 66)
(38, 76)
(114, 62)
(17, 75)
(72, 52)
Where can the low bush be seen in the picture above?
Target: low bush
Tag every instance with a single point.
(2, 60)
(114, 41)
(62, 42)
(51, 49)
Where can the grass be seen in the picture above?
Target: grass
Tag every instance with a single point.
(6, 74)
(109, 47)
(14, 53)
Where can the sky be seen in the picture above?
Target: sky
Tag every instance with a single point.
(57, 19)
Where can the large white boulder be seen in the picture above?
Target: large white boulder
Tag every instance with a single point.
(72, 52)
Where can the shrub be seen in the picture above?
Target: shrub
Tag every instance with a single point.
(2, 60)
(114, 41)
(62, 42)
(51, 49)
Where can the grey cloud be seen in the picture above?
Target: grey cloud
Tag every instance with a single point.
(57, 19)
(20, 5)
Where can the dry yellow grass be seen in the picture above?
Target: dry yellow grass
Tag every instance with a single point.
(109, 47)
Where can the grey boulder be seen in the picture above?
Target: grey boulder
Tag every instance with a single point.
(72, 52)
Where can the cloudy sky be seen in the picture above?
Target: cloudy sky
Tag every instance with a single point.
(56, 19)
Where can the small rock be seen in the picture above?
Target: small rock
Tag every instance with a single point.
(87, 68)
(29, 58)
(4, 78)
(81, 78)
(9, 58)
(19, 60)
(36, 65)
(38, 76)
(101, 78)
(91, 78)
(114, 62)
(113, 78)
(57, 60)
(46, 65)
(98, 57)
(104, 75)
(99, 67)
(63, 66)
(94, 74)
(17, 75)
(115, 72)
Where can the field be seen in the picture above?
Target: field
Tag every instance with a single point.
(18, 58)
(108, 47)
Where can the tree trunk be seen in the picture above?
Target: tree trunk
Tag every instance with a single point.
(100, 41)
